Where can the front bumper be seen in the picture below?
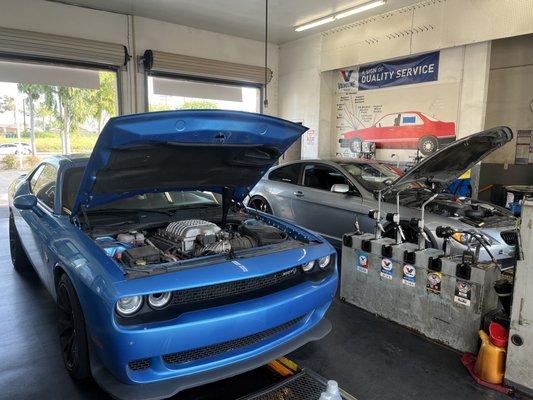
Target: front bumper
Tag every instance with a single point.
(300, 309)
(169, 387)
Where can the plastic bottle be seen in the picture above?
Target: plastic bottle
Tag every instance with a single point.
(333, 390)
(325, 396)
(490, 363)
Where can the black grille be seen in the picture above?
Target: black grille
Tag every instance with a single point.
(236, 288)
(138, 365)
(509, 237)
(187, 356)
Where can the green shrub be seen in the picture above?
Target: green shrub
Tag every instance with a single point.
(31, 161)
(9, 161)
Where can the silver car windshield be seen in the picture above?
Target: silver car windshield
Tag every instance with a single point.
(375, 176)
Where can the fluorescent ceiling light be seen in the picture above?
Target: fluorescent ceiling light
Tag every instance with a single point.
(359, 9)
(317, 22)
(346, 13)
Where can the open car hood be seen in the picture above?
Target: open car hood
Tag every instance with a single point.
(452, 161)
(183, 150)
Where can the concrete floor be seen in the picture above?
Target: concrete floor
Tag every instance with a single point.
(370, 357)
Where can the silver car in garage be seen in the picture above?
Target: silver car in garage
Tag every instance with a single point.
(327, 195)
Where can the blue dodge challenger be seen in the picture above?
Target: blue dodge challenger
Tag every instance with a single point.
(163, 279)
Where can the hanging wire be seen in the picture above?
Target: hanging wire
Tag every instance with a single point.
(265, 101)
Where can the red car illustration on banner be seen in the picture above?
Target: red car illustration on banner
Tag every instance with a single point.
(402, 130)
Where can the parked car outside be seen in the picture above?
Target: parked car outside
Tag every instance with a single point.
(308, 193)
(15, 148)
(160, 286)
(403, 130)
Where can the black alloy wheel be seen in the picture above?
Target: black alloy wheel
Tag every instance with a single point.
(71, 329)
(20, 260)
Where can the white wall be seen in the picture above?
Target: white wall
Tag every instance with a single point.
(302, 90)
(138, 34)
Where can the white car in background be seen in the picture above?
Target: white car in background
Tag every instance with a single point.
(15, 148)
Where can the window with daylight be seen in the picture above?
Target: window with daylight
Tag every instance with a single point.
(180, 94)
(47, 109)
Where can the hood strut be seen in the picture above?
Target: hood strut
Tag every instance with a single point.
(227, 196)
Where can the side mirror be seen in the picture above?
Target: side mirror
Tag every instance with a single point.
(25, 201)
(340, 188)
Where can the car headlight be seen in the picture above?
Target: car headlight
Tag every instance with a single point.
(323, 262)
(159, 300)
(307, 267)
(468, 239)
(129, 305)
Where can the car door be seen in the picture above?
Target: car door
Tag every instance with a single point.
(36, 226)
(321, 210)
(280, 189)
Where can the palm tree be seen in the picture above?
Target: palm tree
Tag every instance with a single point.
(33, 93)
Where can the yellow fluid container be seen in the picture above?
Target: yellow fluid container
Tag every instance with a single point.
(490, 363)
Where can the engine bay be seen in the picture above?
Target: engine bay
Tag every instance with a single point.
(187, 239)
(469, 211)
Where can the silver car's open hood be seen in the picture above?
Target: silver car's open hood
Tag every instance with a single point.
(452, 161)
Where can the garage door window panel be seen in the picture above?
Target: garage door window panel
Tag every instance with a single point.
(54, 109)
(167, 93)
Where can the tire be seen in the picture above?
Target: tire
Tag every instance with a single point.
(71, 330)
(355, 146)
(20, 260)
(428, 145)
(260, 203)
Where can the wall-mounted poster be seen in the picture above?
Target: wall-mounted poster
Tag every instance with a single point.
(403, 106)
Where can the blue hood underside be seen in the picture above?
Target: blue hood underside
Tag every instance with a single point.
(183, 150)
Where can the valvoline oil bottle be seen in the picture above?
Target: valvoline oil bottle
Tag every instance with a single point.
(490, 363)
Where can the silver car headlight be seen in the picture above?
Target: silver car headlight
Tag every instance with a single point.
(159, 300)
(307, 267)
(323, 262)
(129, 305)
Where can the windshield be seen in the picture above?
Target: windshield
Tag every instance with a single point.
(375, 176)
(148, 201)
(371, 176)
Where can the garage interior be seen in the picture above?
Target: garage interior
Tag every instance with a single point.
(305, 62)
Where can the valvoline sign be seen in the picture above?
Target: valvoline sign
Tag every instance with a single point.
(424, 68)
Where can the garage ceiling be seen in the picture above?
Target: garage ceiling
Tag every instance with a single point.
(243, 18)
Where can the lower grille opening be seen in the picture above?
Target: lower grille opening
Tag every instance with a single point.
(188, 356)
(138, 365)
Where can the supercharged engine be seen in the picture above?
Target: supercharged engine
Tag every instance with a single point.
(197, 237)
(187, 239)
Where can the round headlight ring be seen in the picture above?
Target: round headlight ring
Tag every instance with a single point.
(129, 305)
(159, 300)
(308, 267)
(323, 262)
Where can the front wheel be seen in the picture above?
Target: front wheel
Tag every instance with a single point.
(259, 203)
(20, 260)
(428, 145)
(71, 329)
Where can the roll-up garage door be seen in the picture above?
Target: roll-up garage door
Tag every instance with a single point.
(15, 43)
(158, 62)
